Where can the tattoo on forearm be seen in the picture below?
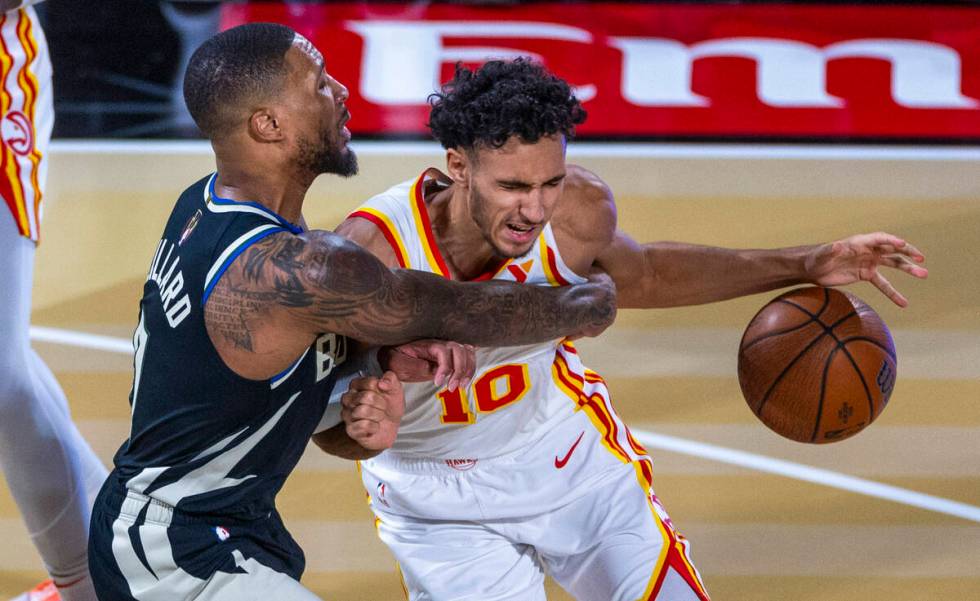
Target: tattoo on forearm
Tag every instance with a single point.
(337, 286)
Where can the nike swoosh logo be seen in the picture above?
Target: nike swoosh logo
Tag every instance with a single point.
(560, 463)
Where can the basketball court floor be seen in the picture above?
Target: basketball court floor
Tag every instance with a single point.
(893, 513)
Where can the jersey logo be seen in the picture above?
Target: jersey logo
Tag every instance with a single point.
(17, 133)
(221, 533)
(189, 227)
(461, 465)
(521, 271)
(560, 463)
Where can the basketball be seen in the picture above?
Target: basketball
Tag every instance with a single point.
(817, 365)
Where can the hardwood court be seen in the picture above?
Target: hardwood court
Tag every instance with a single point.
(756, 536)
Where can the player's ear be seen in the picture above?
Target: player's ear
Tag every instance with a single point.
(265, 126)
(458, 166)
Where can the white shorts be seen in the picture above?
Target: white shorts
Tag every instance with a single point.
(26, 117)
(577, 505)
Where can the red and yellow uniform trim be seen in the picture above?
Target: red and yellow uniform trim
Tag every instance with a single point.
(493, 271)
(22, 194)
(550, 264)
(389, 231)
(595, 406)
(424, 225)
(673, 553)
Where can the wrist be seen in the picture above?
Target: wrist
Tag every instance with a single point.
(807, 263)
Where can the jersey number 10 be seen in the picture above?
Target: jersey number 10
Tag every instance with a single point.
(496, 388)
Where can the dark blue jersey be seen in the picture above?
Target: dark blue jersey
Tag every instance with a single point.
(204, 439)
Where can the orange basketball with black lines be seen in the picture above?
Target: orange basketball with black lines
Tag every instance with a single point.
(817, 365)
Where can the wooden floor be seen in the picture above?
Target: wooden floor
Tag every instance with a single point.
(756, 536)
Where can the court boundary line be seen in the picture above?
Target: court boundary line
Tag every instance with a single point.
(636, 150)
(109, 344)
(806, 473)
(673, 444)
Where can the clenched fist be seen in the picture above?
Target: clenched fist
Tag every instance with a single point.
(372, 409)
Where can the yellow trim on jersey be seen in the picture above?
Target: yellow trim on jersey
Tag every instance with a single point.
(401, 579)
(665, 545)
(392, 231)
(545, 265)
(421, 227)
(17, 204)
(598, 413)
(29, 85)
(398, 566)
(682, 549)
(20, 172)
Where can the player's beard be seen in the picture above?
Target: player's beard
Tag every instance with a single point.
(330, 156)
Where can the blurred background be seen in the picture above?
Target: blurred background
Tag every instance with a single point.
(743, 124)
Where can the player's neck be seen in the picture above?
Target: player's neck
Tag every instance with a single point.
(458, 236)
(277, 190)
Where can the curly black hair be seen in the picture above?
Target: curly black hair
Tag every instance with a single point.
(233, 67)
(503, 99)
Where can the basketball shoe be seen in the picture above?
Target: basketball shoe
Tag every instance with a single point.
(46, 591)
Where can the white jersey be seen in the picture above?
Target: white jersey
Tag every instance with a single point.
(516, 391)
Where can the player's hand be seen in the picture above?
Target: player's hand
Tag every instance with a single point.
(441, 361)
(603, 288)
(860, 257)
(372, 409)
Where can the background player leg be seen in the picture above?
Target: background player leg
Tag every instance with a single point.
(48, 466)
(92, 469)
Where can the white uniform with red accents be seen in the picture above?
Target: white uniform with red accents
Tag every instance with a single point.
(513, 396)
(528, 469)
(26, 117)
(51, 471)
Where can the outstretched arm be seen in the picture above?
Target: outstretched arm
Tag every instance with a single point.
(321, 282)
(672, 274)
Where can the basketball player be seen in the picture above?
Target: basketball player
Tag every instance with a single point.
(243, 336)
(528, 470)
(51, 471)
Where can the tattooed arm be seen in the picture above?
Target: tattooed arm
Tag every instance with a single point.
(320, 282)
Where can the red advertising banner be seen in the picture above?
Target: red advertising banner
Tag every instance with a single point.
(770, 71)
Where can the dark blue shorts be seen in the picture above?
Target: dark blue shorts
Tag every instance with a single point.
(141, 549)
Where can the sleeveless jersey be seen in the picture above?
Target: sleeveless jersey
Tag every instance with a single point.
(204, 439)
(516, 391)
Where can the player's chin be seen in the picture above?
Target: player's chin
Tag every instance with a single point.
(510, 249)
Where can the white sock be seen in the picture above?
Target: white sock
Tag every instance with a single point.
(79, 589)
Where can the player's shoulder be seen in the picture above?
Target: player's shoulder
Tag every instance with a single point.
(286, 270)
(339, 264)
(587, 209)
(587, 183)
(365, 230)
